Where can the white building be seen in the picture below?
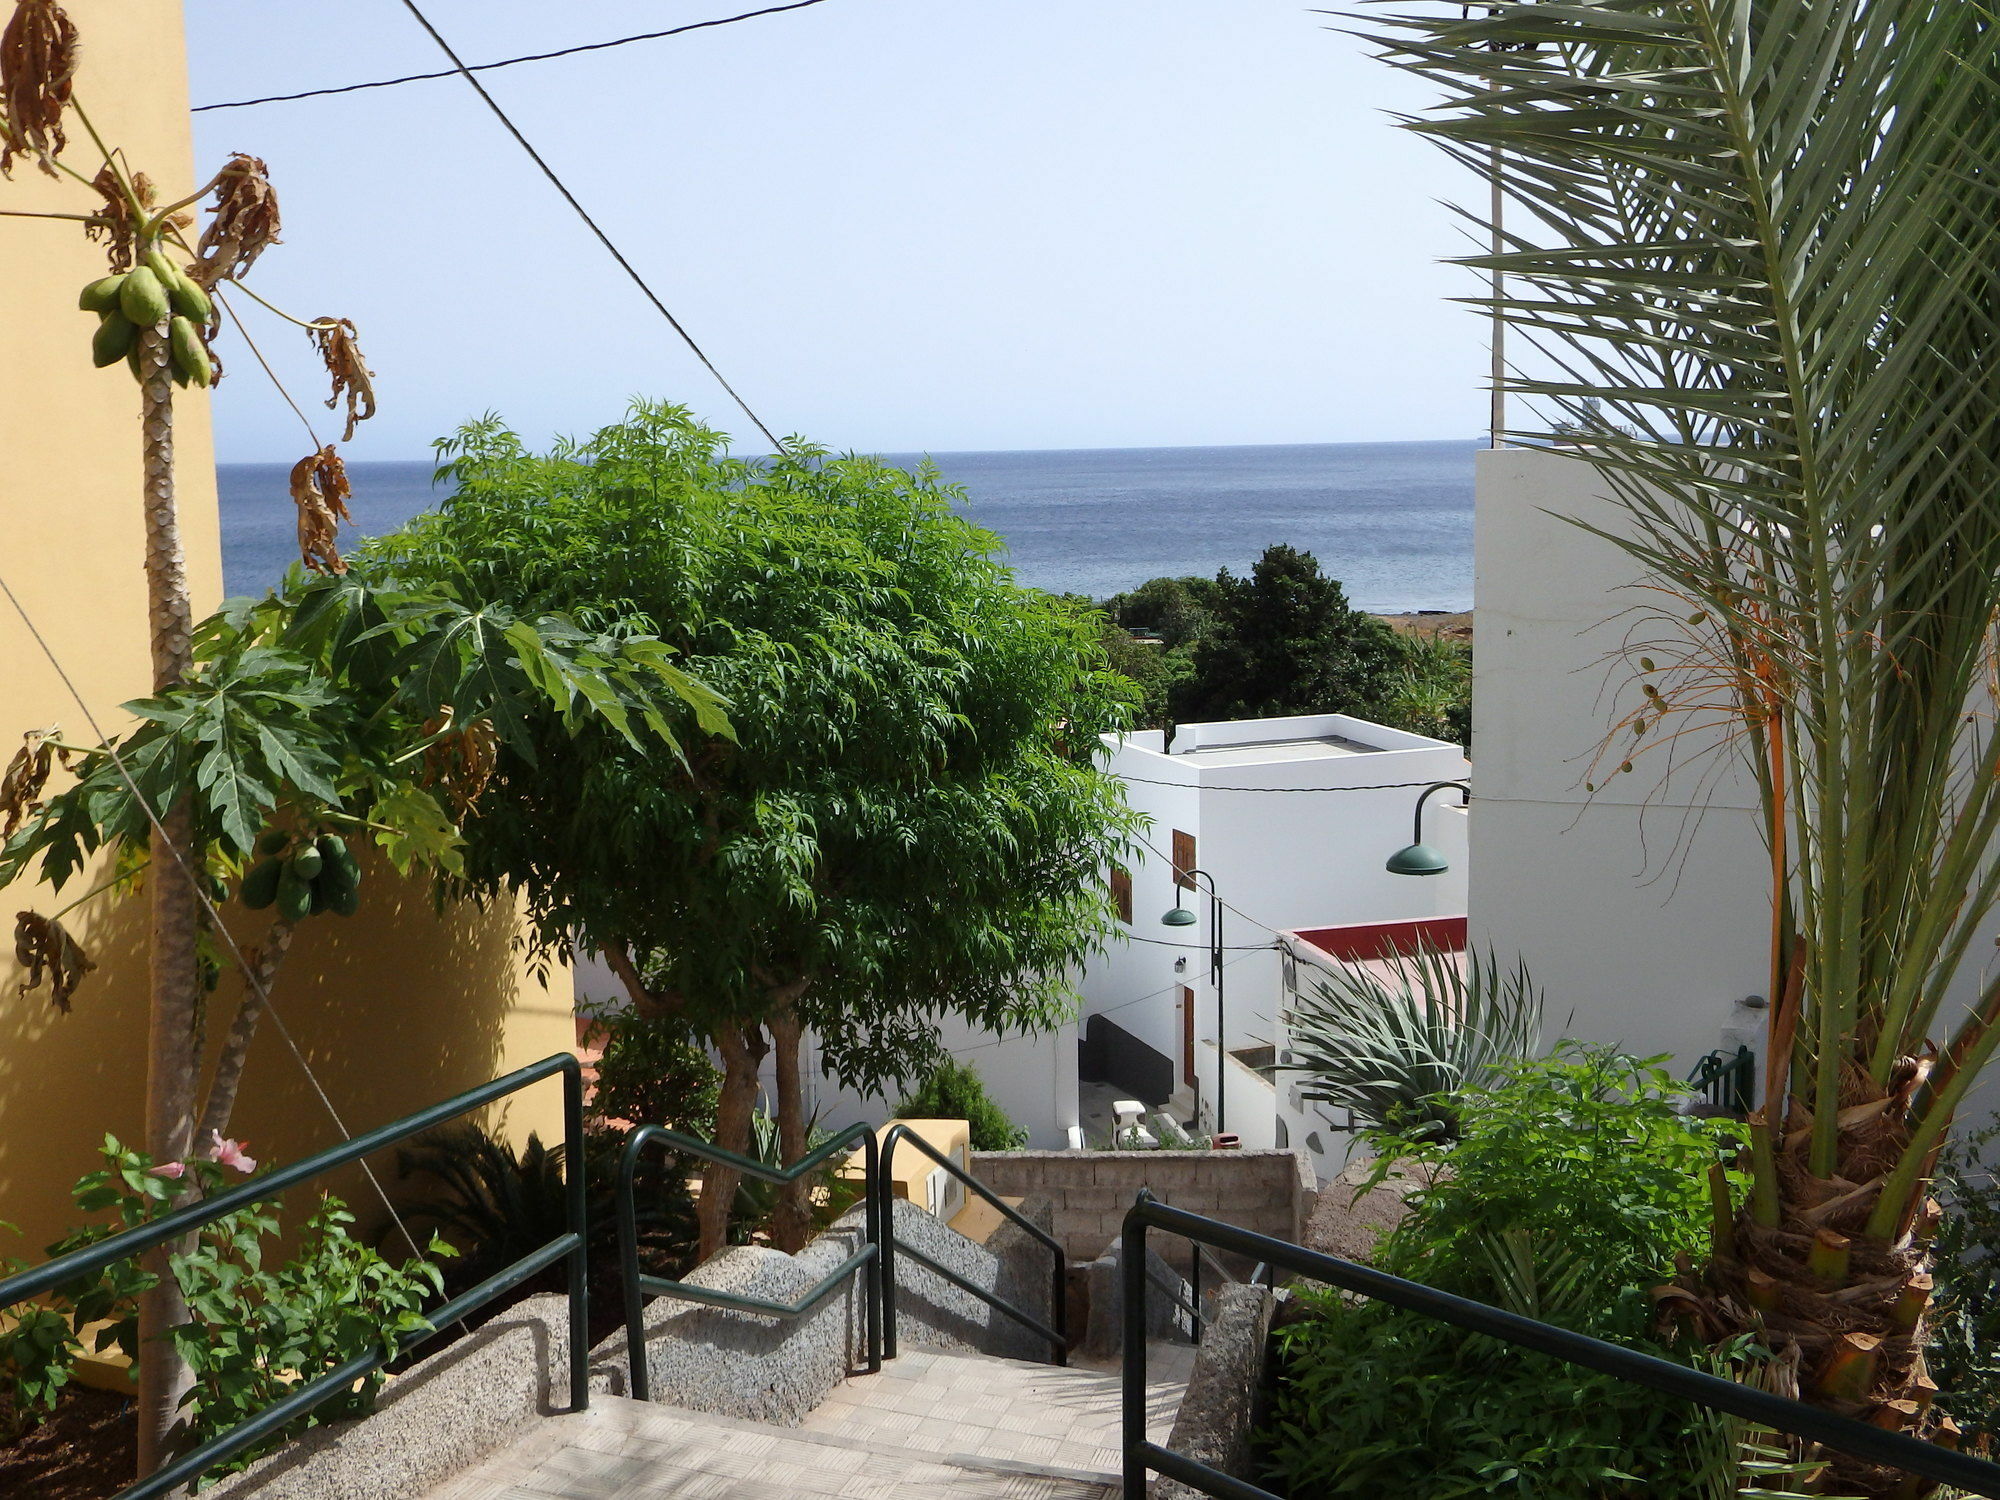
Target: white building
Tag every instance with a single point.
(1293, 820)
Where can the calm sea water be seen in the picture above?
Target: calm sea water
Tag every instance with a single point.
(1392, 521)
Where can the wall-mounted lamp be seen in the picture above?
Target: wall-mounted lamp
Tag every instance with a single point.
(1417, 857)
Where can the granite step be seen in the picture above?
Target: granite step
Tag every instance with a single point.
(633, 1450)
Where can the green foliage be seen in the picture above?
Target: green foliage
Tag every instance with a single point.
(1430, 692)
(1396, 1042)
(1572, 1187)
(653, 1072)
(254, 1331)
(909, 820)
(1178, 610)
(954, 1091)
(318, 705)
(1964, 1348)
(1286, 641)
(496, 1206)
(830, 1192)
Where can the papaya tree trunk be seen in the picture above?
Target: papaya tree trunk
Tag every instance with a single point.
(172, 1059)
(742, 1049)
(791, 1226)
(229, 1067)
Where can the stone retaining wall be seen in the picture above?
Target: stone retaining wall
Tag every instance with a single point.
(1089, 1192)
(1220, 1411)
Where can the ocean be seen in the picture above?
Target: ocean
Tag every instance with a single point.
(1391, 521)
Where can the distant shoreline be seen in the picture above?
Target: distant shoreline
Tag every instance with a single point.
(1454, 623)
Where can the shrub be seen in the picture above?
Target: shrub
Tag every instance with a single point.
(1964, 1348)
(955, 1091)
(654, 1072)
(1573, 1185)
(1397, 1042)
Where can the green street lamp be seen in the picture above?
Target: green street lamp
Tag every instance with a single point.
(1181, 916)
(1417, 857)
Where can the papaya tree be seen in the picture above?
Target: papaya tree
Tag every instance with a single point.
(907, 820)
(243, 720)
(1756, 246)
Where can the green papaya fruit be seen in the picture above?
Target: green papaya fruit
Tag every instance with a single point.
(344, 901)
(260, 886)
(115, 338)
(306, 863)
(142, 297)
(294, 896)
(132, 361)
(101, 296)
(190, 354)
(320, 896)
(189, 298)
(273, 841)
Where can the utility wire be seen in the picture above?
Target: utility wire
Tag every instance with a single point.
(583, 213)
(506, 62)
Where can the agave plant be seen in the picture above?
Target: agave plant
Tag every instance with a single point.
(1763, 235)
(1395, 1041)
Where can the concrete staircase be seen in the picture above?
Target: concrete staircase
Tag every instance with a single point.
(931, 1426)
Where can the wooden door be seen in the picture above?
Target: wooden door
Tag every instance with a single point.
(1187, 1036)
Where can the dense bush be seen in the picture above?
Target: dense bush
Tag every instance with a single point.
(654, 1072)
(955, 1091)
(1571, 1189)
(1964, 1348)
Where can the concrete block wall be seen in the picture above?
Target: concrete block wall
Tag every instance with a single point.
(1089, 1192)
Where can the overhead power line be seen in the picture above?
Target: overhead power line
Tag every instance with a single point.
(459, 67)
(508, 62)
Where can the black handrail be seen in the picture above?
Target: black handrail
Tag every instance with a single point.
(869, 1255)
(1873, 1444)
(1057, 1337)
(182, 1221)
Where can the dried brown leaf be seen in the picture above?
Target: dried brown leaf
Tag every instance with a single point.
(37, 71)
(242, 224)
(320, 490)
(44, 949)
(351, 375)
(27, 774)
(460, 759)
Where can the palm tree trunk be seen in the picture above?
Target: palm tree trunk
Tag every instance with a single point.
(172, 1059)
(229, 1067)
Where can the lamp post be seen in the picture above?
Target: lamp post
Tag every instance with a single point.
(1181, 916)
(1417, 857)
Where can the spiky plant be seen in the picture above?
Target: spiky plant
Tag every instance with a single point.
(1397, 1040)
(1764, 235)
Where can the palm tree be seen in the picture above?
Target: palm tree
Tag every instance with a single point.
(1764, 235)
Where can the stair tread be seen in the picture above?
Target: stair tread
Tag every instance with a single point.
(636, 1451)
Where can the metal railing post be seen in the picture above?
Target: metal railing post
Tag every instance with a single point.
(871, 1171)
(638, 1379)
(579, 1257)
(1132, 1317)
(885, 1223)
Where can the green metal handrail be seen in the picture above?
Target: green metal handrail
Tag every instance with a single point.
(141, 1238)
(1727, 1080)
(1057, 1337)
(636, 1283)
(1893, 1449)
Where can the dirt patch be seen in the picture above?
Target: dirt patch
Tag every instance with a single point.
(82, 1451)
(1348, 1226)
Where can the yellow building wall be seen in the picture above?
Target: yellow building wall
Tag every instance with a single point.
(394, 1008)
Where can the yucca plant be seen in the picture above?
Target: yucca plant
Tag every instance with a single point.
(1397, 1040)
(1764, 235)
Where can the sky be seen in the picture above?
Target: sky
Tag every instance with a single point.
(895, 225)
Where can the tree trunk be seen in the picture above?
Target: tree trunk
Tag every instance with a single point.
(173, 1060)
(229, 1067)
(791, 1226)
(742, 1049)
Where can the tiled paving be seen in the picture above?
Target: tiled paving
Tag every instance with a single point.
(970, 1408)
(931, 1426)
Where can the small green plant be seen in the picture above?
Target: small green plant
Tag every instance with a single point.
(1964, 1348)
(254, 1332)
(954, 1091)
(1396, 1042)
(1573, 1186)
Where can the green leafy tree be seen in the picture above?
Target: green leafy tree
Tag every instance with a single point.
(1286, 641)
(907, 818)
(953, 1090)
